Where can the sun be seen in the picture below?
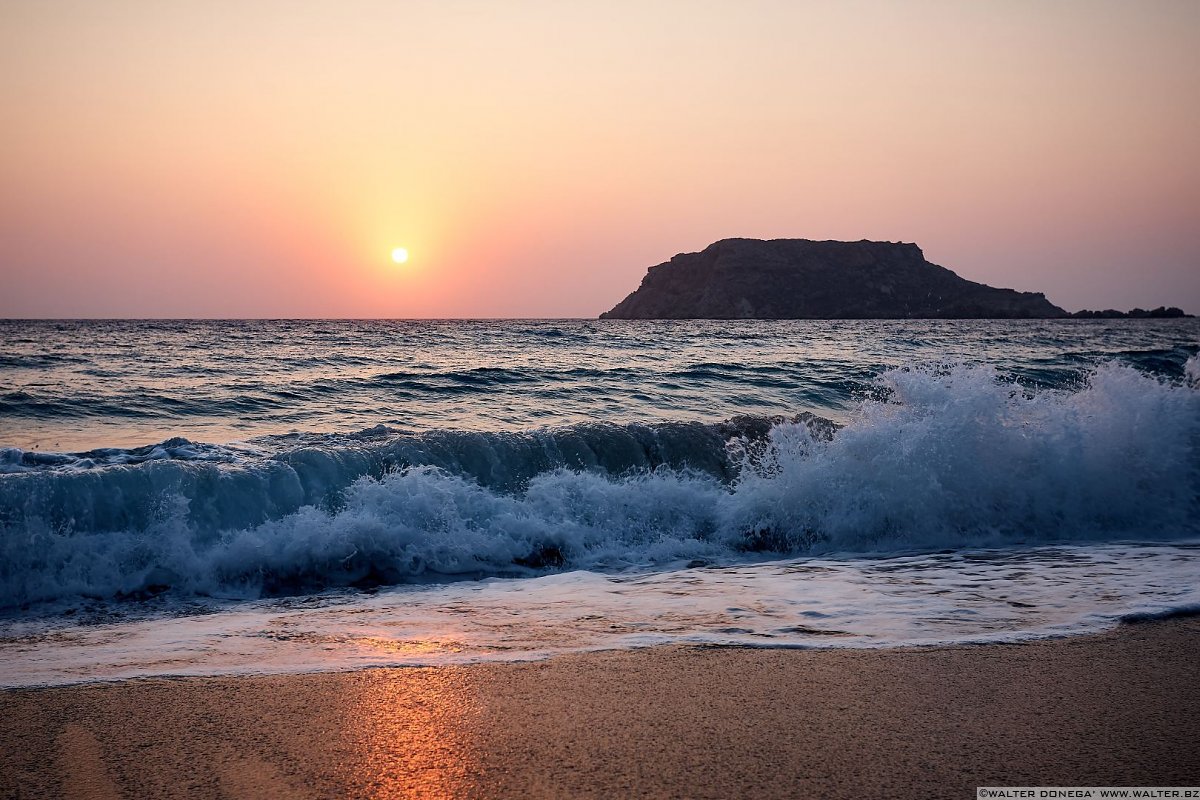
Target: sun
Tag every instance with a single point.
(399, 255)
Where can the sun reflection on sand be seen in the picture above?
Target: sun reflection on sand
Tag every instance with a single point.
(411, 735)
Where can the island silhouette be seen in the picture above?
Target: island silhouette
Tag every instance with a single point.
(807, 279)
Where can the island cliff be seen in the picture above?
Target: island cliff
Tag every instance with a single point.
(803, 279)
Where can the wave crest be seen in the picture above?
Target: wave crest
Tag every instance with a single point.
(940, 457)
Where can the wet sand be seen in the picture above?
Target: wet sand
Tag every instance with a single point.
(1117, 709)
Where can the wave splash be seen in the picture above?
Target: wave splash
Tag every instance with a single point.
(940, 457)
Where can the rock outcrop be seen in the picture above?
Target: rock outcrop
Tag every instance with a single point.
(1162, 312)
(803, 279)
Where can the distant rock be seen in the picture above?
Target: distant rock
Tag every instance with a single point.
(1162, 312)
(803, 279)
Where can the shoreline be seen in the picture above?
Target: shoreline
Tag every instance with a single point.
(1110, 709)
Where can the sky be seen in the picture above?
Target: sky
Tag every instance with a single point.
(263, 159)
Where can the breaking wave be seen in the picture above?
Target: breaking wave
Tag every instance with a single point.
(939, 457)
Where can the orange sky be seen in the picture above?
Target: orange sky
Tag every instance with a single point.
(263, 159)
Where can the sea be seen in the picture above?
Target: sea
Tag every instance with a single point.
(242, 497)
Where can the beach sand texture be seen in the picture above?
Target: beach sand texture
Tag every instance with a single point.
(1121, 708)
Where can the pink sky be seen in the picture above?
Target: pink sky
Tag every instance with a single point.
(263, 159)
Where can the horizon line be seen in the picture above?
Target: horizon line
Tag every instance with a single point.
(1186, 315)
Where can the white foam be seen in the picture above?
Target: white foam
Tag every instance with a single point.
(965, 596)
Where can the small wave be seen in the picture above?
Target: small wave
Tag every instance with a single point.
(13, 459)
(476, 379)
(23, 404)
(1178, 612)
(37, 360)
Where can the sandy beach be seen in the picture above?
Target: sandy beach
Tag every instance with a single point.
(1120, 708)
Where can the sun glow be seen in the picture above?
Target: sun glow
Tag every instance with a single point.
(400, 255)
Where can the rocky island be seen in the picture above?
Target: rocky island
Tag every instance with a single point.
(804, 279)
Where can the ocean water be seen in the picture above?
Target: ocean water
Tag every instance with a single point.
(181, 498)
